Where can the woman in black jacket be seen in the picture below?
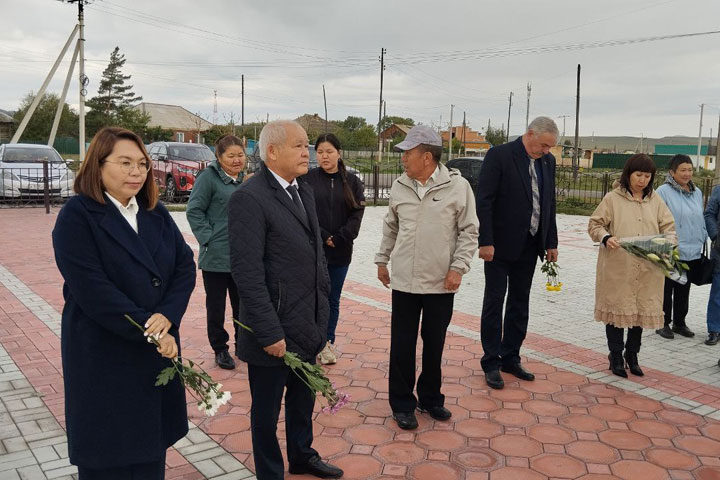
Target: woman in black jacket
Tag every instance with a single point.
(340, 204)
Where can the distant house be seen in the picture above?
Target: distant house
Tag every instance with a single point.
(395, 131)
(315, 123)
(186, 126)
(707, 153)
(474, 142)
(6, 124)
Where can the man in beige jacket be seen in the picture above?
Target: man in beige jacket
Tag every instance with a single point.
(429, 236)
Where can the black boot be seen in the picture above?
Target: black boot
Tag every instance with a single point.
(632, 363)
(617, 365)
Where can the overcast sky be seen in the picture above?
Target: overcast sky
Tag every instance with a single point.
(468, 53)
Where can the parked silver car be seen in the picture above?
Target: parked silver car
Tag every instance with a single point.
(21, 169)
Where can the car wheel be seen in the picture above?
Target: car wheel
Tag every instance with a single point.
(170, 189)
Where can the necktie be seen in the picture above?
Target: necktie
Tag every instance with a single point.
(535, 218)
(296, 200)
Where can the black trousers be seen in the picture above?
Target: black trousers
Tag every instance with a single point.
(143, 471)
(218, 285)
(615, 338)
(677, 300)
(266, 389)
(501, 341)
(436, 310)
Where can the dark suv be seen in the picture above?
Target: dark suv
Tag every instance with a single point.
(176, 164)
(469, 168)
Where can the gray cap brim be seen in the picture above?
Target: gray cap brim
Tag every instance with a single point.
(405, 145)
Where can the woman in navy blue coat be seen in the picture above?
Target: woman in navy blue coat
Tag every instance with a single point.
(120, 252)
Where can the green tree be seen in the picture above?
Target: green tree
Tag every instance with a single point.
(38, 128)
(389, 120)
(157, 134)
(216, 131)
(114, 101)
(495, 136)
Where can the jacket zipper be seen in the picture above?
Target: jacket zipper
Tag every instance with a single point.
(332, 200)
(279, 297)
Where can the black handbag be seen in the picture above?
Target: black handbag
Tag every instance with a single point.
(702, 272)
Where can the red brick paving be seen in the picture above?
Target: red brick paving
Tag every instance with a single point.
(560, 426)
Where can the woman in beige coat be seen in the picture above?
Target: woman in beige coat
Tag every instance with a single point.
(629, 290)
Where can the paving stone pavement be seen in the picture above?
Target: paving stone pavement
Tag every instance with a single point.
(574, 421)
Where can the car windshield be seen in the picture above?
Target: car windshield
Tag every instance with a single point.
(30, 155)
(197, 154)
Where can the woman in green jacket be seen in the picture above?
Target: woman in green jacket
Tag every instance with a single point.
(208, 218)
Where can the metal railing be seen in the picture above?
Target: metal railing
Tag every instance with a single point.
(586, 189)
(44, 185)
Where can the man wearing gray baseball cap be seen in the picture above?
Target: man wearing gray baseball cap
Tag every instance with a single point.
(429, 237)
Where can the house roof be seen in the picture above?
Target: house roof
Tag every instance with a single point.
(680, 149)
(173, 117)
(5, 118)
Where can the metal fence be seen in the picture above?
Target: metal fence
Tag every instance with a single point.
(44, 185)
(586, 189)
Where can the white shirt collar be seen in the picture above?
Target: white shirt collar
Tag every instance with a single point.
(132, 205)
(129, 213)
(284, 183)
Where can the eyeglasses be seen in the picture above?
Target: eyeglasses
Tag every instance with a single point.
(128, 166)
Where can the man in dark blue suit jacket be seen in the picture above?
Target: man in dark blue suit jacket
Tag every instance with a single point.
(516, 208)
(278, 264)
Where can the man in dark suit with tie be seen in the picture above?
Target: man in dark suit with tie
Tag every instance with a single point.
(516, 207)
(278, 264)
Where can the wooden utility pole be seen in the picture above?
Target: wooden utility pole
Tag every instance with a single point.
(380, 108)
(326, 116)
(242, 103)
(463, 136)
(527, 109)
(576, 157)
(702, 108)
(450, 134)
(507, 134)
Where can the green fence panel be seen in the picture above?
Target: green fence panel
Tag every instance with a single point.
(616, 161)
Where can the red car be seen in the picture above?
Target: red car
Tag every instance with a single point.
(176, 164)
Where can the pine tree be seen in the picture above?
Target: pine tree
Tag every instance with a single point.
(114, 101)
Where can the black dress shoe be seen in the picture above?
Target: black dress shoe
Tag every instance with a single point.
(665, 332)
(438, 412)
(315, 466)
(518, 371)
(494, 379)
(713, 338)
(406, 420)
(224, 360)
(684, 331)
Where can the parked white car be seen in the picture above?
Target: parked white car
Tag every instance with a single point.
(21, 169)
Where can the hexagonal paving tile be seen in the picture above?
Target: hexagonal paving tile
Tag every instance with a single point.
(515, 473)
(404, 453)
(545, 408)
(358, 467)
(552, 434)
(612, 413)
(625, 440)
(440, 440)
(513, 418)
(478, 458)
(700, 446)
(639, 404)
(574, 399)
(368, 435)
(516, 446)
(672, 459)
(434, 471)
(592, 452)
(342, 419)
(583, 423)
(478, 428)
(653, 428)
(478, 403)
(557, 466)
(635, 470)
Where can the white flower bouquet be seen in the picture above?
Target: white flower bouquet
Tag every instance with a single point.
(314, 377)
(661, 251)
(200, 384)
